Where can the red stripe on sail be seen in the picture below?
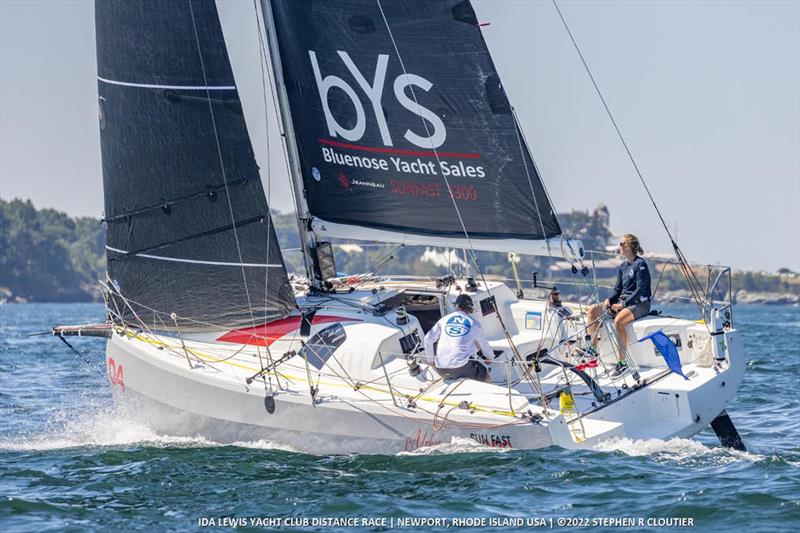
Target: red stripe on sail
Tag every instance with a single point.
(266, 334)
(398, 151)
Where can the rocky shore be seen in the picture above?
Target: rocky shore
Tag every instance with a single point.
(741, 297)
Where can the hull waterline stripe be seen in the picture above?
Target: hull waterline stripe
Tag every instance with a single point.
(173, 87)
(196, 261)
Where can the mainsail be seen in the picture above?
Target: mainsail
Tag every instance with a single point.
(402, 127)
(188, 227)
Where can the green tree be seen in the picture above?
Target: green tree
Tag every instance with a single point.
(48, 256)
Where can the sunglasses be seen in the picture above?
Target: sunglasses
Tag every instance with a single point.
(623, 244)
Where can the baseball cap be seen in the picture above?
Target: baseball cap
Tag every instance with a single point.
(464, 301)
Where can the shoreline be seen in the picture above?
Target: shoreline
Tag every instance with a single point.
(667, 298)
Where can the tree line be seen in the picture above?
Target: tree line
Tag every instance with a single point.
(48, 256)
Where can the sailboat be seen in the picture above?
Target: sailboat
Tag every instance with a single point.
(396, 129)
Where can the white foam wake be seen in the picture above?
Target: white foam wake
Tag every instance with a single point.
(111, 427)
(456, 445)
(265, 445)
(676, 450)
(102, 428)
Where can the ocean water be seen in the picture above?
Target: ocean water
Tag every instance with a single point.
(69, 460)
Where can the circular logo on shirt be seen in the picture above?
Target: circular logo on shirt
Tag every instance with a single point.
(316, 174)
(457, 326)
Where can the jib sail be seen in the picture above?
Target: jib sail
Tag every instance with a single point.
(188, 227)
(402, 127)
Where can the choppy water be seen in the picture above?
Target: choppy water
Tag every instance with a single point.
(69, 460)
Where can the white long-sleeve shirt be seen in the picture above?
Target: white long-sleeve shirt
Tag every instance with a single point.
(459, 336)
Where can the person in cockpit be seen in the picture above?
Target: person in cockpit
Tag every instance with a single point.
(630, 298)
(459, 336)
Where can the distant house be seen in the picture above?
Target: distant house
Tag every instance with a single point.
(606, 263)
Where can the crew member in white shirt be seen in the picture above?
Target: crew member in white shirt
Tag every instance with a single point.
(459, 336)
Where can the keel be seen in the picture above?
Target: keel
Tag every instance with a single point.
(726, 431)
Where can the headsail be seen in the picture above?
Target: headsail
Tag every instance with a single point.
(391, 103)
(188, 226)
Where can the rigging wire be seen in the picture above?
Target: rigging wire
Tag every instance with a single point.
(273, 86)
(691, 278)
(376, 268)
(521, 133)
(156, 340)
(266, 60)
(528, 175)
(450, 192)
(472, 251)
(82, 357)
(613, 122)
(261, 63)
(145, 328)
(590, 284)
(427, 132)
(222, 164)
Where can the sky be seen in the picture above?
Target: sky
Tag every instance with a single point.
(707, 95)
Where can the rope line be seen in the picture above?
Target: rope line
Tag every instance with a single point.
(82, 357)
(222, 169)
(473, 255)
(261, 63)
(694, 284)
(530, 183)
(150, 338)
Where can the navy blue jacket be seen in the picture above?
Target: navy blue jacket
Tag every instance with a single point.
(633, 283)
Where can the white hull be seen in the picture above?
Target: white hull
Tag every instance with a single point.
(174, 401)
(317, 432)
(152, 377)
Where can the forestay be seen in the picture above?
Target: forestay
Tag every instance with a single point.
(188, 226)
(392, 103)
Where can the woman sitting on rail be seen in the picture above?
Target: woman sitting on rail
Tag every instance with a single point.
(630, 299)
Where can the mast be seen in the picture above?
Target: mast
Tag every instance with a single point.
(308, 239)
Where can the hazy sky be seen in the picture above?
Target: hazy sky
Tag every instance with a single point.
(706, 93)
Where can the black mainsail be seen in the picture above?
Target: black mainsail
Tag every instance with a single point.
(392, 103)
(188, 227)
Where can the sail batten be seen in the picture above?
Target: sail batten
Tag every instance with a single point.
(174, 87)
(401, 123)
(188, 226)
(195, 261)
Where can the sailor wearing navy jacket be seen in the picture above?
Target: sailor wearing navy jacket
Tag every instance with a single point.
(632, 290)
(630, 299)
